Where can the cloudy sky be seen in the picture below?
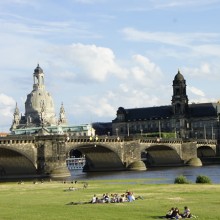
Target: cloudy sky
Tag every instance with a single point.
(98, 55)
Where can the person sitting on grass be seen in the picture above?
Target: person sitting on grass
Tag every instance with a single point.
(169, 213)
(186, 213)
(176, 214)
(94, 199)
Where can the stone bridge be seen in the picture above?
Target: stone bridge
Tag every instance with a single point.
(47, 154)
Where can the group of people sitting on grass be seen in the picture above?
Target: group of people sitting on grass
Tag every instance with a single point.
(115, 198)
(174, 213)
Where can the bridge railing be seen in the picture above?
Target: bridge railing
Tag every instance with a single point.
(206, 141)
(139, 138)
(93, 139)
(17, 139)
(120, 139)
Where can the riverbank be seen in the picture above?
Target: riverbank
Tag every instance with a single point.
(48, 200)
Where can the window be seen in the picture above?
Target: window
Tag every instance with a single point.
(120, 117)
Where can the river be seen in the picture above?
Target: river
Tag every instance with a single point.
(153, 175)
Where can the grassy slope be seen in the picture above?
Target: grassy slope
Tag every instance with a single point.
(48, 201)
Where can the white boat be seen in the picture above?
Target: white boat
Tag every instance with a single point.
(74, 163)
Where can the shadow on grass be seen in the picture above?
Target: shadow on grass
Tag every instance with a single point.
(78, 203)
(159, 217)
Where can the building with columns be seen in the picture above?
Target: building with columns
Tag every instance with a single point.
(180, 119)
(40, 116)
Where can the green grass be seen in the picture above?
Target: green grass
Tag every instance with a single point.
(48, 201)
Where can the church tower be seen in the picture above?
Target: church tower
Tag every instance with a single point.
(179, 98)
(62, 116)
(180, 106)
(16, 119)
(39, 106)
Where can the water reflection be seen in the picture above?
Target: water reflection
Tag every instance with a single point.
(153, 175)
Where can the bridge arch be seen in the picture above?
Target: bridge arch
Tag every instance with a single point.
(205, 151)
(98, 157)
(160, 155)
(15, 162)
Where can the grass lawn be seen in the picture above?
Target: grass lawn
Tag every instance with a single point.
(48, 201)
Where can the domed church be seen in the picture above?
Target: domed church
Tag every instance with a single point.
(40, 112)
(39, 106)
(178, 120)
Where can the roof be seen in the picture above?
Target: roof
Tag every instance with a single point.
(38, 69)
(53, 129)
(204, 109)
(162, 112)
(149, 113)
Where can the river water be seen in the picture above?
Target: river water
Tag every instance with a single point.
(153, 175)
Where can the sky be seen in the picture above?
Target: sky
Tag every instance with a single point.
(99, 55)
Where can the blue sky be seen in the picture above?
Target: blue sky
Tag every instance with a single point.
(98, 55)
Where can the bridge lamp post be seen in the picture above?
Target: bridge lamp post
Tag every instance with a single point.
(116, 131)
(218, 127)
(141, 132)
(128, 129)
(159, 127)
(212, 133)
(204, 132)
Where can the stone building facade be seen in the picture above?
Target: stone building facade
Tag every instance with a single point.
(180, 119)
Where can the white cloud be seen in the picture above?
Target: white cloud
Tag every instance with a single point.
(6, 100)
(152, 5)
(207, 50)
(19, 2)
(138, 98)
(124, 87)
(97, 105)
(145, 72)
(90, 61)
(202, 100)
(171, 38)
(7, 105)
(185, 3)
(149, 67)
(16, 50)
(208, 71)
(48, 30)
(196, 91)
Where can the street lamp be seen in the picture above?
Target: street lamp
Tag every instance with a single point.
(218, 127)
(159, 127)
(128, 129)
(204, 132)
(116, 131)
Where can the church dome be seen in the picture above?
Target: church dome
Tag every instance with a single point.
(179, 77)
(121, 110)
(38, 69)
(40, 102)
(39, 106)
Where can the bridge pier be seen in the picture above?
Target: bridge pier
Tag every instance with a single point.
(188, 151)
(132, 156)
(52, 156)
(189, 154)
